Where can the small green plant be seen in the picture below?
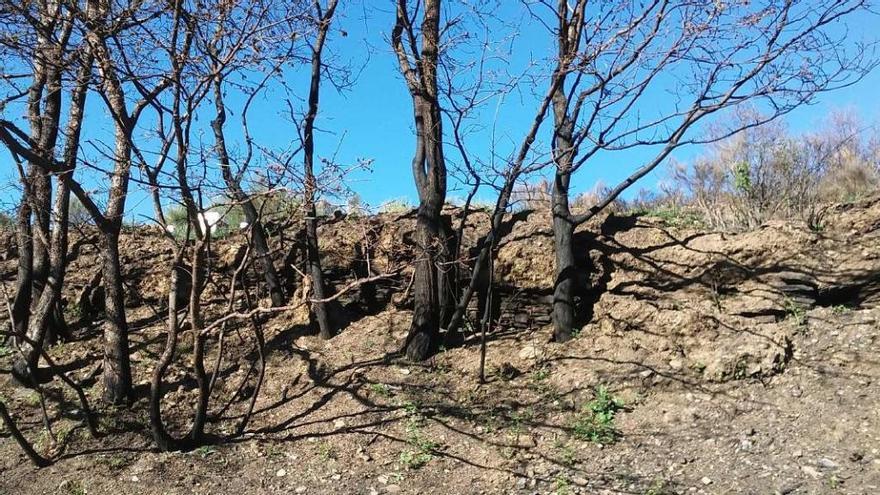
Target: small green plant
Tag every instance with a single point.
(273, 450)
(5, 351)
(421, 448)
(185, 346)
(519, 418)
(440, 367)
(66, 433)
(563, 486)
(672, 216)
(742, 177)
(541, 374)
(796, 313)
(379, 389)
(596, 422)
(421, 452)
(834, 482)
(741, 370)
(72, 487)
(414, 459)
(114, 462)
(73, 312)
(659, 487)
(111, 422)
(326, 452)
(45, 442)
(567, 453)
(32, 399)
(840, 309)
(204, 451)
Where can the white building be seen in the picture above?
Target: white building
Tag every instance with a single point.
(211, 219)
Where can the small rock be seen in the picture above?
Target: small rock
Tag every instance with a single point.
(339, 423)
(529, 352)
(811, 471)
(676, 364)
(383, 478)
(392, 489)
(281, 472)
(300, 489)
(826, 463)
(404, 371)
(336, 477)
(579, 481)
(135, 479)
(786, 489)
(706, 481)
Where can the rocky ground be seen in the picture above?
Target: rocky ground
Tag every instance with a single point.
(736, 363)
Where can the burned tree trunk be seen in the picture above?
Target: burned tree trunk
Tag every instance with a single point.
(233, 184)
(424, 330)
(24, 280)
(44, 309)
(563, 227)
(313, 255)
(564, 283)
(429, 171)
(40, 283)
(117, 368)
(564, 150)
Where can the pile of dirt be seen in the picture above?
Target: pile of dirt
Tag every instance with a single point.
(743, 363)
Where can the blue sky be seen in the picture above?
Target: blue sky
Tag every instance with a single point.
(372, 120)
(376, 113)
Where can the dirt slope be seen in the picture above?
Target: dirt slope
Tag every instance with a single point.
(745, 363)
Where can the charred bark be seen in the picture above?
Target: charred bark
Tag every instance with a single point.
(319, 308)
(431, 295)
(233, 184)
(566, 269)
(117, 367)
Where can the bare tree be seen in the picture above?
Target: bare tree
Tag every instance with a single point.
(107, 27)
(230, 48)
(46, 38)
(616, 58)
(323, 16)
(432, 300)
(106, 30)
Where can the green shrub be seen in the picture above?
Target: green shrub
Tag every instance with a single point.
(400, 205)
(596, 422)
